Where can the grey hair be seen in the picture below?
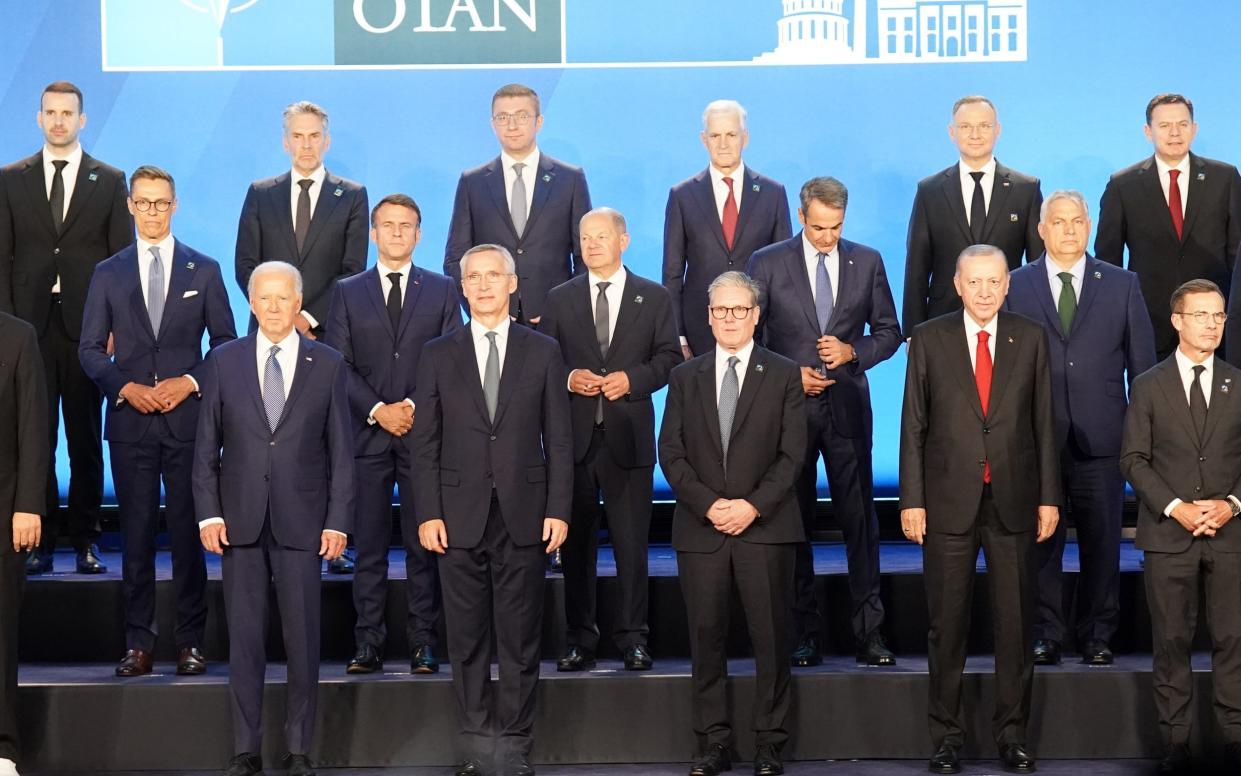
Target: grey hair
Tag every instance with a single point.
(724, 106)
(618, 220)
(303, 107)
(510, 266)
(974, 99)
(1073, 195)
(275, 267)
(981, 249)
(828, 191)
(734, 279)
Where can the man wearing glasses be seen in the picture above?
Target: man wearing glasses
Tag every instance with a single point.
(151, 383)
(1182, 454)
(524, 200)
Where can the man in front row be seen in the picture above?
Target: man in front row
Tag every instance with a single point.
(731, 447)
(273, 491)
(979, 466)
(493, 460)
(1182, 454)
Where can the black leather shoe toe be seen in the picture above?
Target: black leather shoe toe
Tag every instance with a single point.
(88, 561)
(945, 760)
(1046, 652)
(576, 659)
(807, 653)
(423, 661)
(365, 661)
(1016, 759)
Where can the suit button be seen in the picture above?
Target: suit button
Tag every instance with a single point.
(1200, 458)
(266, 478)
(986, 430)
(396, 355)
(157, 350)
(271, 444)
(493, 437)
(730, 262)
(521, 251)
(1197, 489)
(56, 251)
(1070, 363)
(487, 475)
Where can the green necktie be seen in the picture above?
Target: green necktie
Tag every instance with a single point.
(1067, 306)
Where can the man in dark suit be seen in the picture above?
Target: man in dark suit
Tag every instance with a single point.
(1179, 214)
(155, 299)
(273, 491)
(524, 200)
(379, 321)
(618, 339)
(731, 446)
(979, 467)
(61, 213)
(23, 464)
(1099, 337)
(1182, 455)
(977, 200)
(716, 220)
(493, 449)
(820, 293)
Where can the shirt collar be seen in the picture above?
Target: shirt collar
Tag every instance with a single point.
(317, 176)
(738, 175)
(617, 279)
(166, 247)
(1182, 166)
(287, 345)
(405, 271)
(531, 162)
(811, 252)
(74, 158)
(1078, 270)
(743, 353)
(987, 169)
(972, 328)
(1186, 366)
(478, 331)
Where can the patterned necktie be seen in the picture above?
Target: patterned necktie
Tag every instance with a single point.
(729, 390)
(1175, 208)
(823, 304)
(982, 378)
(517, 200)
(155, 290)
(1067, 305)
(301, 225)
(394, 300)
(729, 219)
(978, 208)
(273, 389)
(1198, 401)
(491, 377)
(602, 335)
(57, 198)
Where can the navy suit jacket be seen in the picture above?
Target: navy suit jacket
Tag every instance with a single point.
(301, 475)
(335, 246)
(383, 363)
(197, 302)
(547, 253)
(526, 454)
(694, 248)
(23, 429)
(789, 325)
(1111, 341)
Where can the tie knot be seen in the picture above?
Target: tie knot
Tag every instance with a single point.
(491, 335)
(395, 277)
(977, 176)
(1066, 277)
(733, 361)
(1174, 174)
(1198, 370)
(822, 257)
(275, 349)
(729, 181)
(59, 164)
(603, 285)
(306, 183)
(518, 167)
(155, 252)
(983, 336)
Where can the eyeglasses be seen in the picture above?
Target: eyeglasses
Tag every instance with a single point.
(739, 313)
(474, 278)
(501, 119)
(143, 205)
(983, 128)
(1202, 316)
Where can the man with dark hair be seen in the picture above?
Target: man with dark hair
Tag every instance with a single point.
(977, 200)
(61, 213)
(821, 295)
(151, 381)
(379, 321)
(1177, 213)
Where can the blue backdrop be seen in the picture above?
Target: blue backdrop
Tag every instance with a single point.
(624, 102)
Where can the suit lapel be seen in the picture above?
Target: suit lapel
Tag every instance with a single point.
(137, 302)
(413, 290)
(280, 202)
(514, 363)
(1221, 398)
(374, 292)
(845, 281)
(543, 180)
(956, 351)
(705, 382)
(705, 197)
(749, 202)
(301, 373)
(1092, 280)
(1042, 292)
(795, 265)
(36, 191)
(951, 188)
(83, 189)
(179, 281)
(467, 365)
(1156, 202)
(330, 194)
(627, 318)
(1197, 171)
(251, 375)
(494, 180)
(1006, 347)
(1174, 395)
(755, 372)
(1000, 189)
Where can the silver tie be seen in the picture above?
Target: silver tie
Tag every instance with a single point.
(729, 391)
(273, 389)
(491, 377)
(517, 202)
(155, 290)
(602, 336)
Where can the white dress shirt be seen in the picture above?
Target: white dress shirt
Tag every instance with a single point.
(385, 288)
(481, 347)
(70, 177)
(1165, 180)
(529, 174)
(1078, 271)
(967, 184)
(971, 338)
(721, 366)
(832, 262)
(1185, 367)
(720, 188)
(614, 293)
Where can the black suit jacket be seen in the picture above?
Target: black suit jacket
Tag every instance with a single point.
(939, 231)
(694, 248)
(1134, 213)
(32, 254)
(546, 254)
(526, 454)
(644, 346)
(765, 450)
(790, 326)
(1164, 458)
(23, 427)
(335, 246)
(945, 439)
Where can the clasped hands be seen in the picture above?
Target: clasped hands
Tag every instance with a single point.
(396, 418)
(732, 516)
(1204, 517)
(586, 383)
(165, 396)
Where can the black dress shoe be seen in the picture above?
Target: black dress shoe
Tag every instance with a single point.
(38, 562)
(423, 661)
(342, 564)
(1016, 759)
(1046, 652)
(88, 561)
(875, 653)
(1175, 760)
(1097, 653)
(714, 762)
(298, 765)
(945, 760)
(137, 662)
(517, 764)
(365, 660)
(191, 662)
(244, 764)
(576, 659)
(637, 658)
(471, 768)
(767, 761)
(807, 653)
(555, 562)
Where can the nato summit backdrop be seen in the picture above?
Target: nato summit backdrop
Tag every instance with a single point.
(857, 89)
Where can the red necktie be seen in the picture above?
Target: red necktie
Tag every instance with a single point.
(730, 215)
(982, 377)
(1174, 202)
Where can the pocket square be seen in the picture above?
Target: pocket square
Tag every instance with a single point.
(188, 294)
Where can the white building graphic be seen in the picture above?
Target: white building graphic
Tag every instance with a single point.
(818, 32)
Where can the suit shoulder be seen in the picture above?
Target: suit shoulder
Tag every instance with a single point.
(1106, 270)
(267, 183)
(103, 167)
(21, 165)
(860, 251)
(198, 257)
(350, 186)
(684, 370)
(1020, 323)
(1132, 171)
(646, 285)
(562, 291)
(679, 188)
(535, 340)
(16, 325)
(776, 362)
(766, 182)
(1144, 381)
(765, 254)
(232, 348)
(934, 178)
(322, 350)
(562, 166)
(1216, 164)
(1017, 176)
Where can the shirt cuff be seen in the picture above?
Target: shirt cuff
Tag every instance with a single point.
(370, 416)
(684, 341)
(568, 383)
(195, 382)
(333, 530)
(210, 521)
(410, 402)
(314, 324)
(1234, 500)
(1176, 502)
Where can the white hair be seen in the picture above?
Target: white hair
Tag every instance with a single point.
(724, 106)
(1073, 195)
(510, 266)
(275, 267)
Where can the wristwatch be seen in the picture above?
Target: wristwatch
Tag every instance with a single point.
(1232, 504)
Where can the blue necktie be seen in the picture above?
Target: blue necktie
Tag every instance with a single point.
(823, 304)
(155, 290)
(273, 389)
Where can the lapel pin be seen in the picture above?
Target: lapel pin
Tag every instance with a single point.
(850, 261)
(93, 176)
(1005, 184)
(637, 300)
(308, 358)
(1012, 217)
(338, 192)
(756, 187)
(1098, 275)
(547, 179)
(1224, 388)
(189, 265)
(1202, 176)
(1010, 340)
(758, 367)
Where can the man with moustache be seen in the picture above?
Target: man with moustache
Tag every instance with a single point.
(155, 299)
(379, 321)
(618, 339)
(62, 212)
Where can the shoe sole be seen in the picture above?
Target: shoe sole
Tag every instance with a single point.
(572, 670)
(424, 670)
(363, 669)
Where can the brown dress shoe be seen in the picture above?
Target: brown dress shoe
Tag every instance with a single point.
(190, 662)
(136, 662)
